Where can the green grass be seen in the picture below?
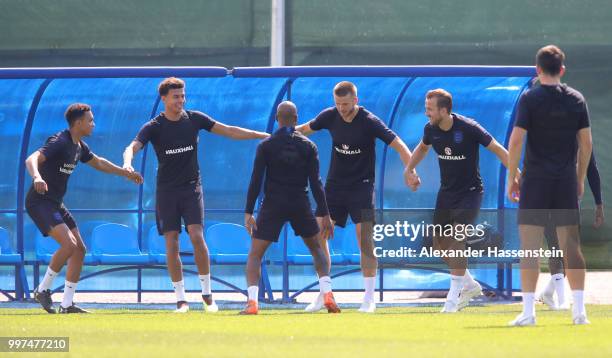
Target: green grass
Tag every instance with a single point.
(421, 331)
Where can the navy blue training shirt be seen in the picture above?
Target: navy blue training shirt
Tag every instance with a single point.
(458, 153)
(353, 158)
(176, 147)
(61, 157)
(552, 117)
(289, 161)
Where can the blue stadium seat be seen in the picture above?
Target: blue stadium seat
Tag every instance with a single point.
(114, 244)
(209, 223)
(46, 247)
(7, 255)
(86, 229)
(157, 247)
(228, 243)
(298, 253)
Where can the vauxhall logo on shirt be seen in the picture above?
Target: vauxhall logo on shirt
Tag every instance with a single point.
(448, 155)
(67, 168)
(346, 149)
(179, 150)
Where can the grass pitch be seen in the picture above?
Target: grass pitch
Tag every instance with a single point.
(415, 331)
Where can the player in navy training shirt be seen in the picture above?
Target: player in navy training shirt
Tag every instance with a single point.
(50, 167)
(555, 119)
(456, 140)
(349, 187)
(174, 135)
(290, 162)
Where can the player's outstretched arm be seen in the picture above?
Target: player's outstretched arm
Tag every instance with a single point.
(104, 165)
(305, 129)
(501, 153)
(585, 149)
(515, 147)
(259, 169)
(32, 163)
(316, 186)
(128, 155)
(402, 149)
(595, 183)
(237, 132)
(417, 156)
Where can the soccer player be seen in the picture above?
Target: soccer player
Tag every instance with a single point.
(556, 283)
(174, 135)
(290, 162)
(50, 167)
(555, 119)
(456, 141)
(349, 187)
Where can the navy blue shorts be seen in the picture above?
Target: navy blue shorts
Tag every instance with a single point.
(274, 213)
(356, 201)
(546, 202)
(457, 208)
(173, 205)
(47, 214)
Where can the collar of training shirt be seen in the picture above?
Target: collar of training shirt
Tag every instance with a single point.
(284, 130)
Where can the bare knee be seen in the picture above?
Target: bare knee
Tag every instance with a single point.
(313, 243)
(257, 250)
(197, 240)
(574, 259)
(79, 252)
(69, 246)
(172, 245)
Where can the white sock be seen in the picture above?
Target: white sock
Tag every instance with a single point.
(468, 280)
(69, 288)
(550, 286)
(325, 284)
(179, 290)
(528, 304)
(558, 281)
(253, 292)
(456, 285)
(578, 307)
(205, 282)
(369, 283)
(47, 280)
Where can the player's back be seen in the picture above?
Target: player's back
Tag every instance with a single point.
(288, 155)
(552, 116)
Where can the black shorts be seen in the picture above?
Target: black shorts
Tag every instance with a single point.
(172, 205)
(274, 213)
(457, 208)
(545, 202)
(356, 201)
(47, 214)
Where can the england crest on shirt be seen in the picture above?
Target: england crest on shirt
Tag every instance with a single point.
(458, 136)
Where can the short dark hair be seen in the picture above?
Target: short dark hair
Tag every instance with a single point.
(286, 112)
(443, 98)
(170, 83)
(345, 88)
(75, 111)
(550, 59)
